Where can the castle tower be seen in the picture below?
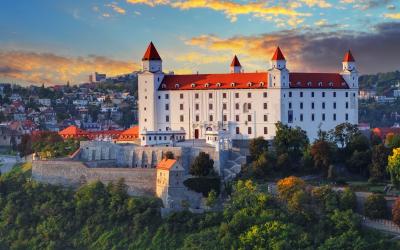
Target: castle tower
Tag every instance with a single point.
(236, 67)
(278, 74)
(148, 83)
(349, 72)
(151, 60)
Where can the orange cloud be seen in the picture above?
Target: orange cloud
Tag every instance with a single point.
(116, 8)
(50, 68)
(392, 15)
(231, 9)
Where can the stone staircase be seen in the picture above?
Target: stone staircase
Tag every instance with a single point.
(234, 165)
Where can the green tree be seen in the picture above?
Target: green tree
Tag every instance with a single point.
(212, 198)
(375, 206)
(394, 166)
(379, 161)
(202, 165)
(323, 153)
(347, 199)
(257, 147)
(343, 133)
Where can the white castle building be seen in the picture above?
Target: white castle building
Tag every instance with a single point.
(243, 105)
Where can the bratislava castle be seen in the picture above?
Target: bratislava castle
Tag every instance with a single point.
(242, 105)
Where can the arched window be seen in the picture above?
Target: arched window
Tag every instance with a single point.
(249, 84)
(177, 86)
(218, 84)
(233, 84)
(164, 86)
(207, 85)
(309, 84)
(193, 85)
(261, 84)
(319, 84)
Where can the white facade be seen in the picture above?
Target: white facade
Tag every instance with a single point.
(246, 108)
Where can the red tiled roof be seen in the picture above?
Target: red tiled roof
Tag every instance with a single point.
(166, 164)
(317, 81)
(348, 57)
(71, 130)
(225, 81)
(151, 53)
(129, 134)
(235, 62)
(250, 81)
(278, 55)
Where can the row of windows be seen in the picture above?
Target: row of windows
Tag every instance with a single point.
(210, 106)
(250, 130)
(322, 105)
(323, 117)
(211, 118)
(249, 95)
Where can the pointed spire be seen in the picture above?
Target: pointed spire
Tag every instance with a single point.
(151, 53)
(348, 57)
(278, 55)
(235, 62)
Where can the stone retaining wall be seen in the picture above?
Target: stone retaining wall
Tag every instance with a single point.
(140, 181)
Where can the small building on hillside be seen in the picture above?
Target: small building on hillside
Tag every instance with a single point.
(130, 135)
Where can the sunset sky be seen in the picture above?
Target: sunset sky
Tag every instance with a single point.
(55, 41)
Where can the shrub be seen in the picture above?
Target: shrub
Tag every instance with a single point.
(347, 199)
(288, 186)
(202, 165)
(203, 185)
(396, 212)
(375, 206)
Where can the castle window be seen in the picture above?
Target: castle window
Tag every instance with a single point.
(196, 106)
(166, 106)
(249, 84)
(301, 105)
(312, 105)
(224, 106)
(225, 118)
(347, 94)
(290, 105)
(261, 84)
(218, 84)
(312, 94)
(193, 85)
(181, 106)
(323, 116)
(334, 117)
(181, 118)
(248, 105)
(323, 105)
(210, 95)
(265, 105)
(211, 118)
(196, 95)
(177, 86)
(167, 96)
(265, 130)
(265, 118)
(323, 94)
(233, 84)
(249, 95)
(249, 130)
(207, 85)
(210, 106)
(223, 95)
(237, 105)
(320, 84)
(347, 105)
(330, 84)
(167, 118)
(334, 94)
(237, 118)
(237, 130)
(181, 96)
(164, 86)
(301, 94)
(197, 118)
(309, 84)
(265, 94)
(312, 117)
(334, 105)
(249, 118)
(301, 117)
(290, 93)
(236, 95)
(347, 117)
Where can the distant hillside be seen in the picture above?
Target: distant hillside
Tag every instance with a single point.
(383, 83)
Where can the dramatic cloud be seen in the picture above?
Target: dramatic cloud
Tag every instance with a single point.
(50, 68)
(312, 50)
(232, 9)
(393, 15)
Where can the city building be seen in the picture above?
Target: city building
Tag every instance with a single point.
(244, 105)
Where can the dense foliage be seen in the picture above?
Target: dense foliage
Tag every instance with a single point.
(38, 216)
(375, 206)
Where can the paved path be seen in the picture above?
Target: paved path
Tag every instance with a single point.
(7, 162)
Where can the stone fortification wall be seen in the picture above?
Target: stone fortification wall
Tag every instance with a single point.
(73, 173)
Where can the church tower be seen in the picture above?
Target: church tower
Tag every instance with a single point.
(149, 81)
(236, 67)
(349, 72)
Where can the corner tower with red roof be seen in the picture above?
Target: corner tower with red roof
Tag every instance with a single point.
(350, 73)
(236, 67)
